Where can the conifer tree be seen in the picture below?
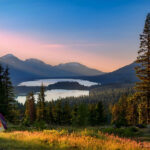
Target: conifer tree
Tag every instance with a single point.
(66, 118)
(27, 111)
(49, 113)
(82, 115)
(99, 113)
(74, 114)
(30, 108)
(7, 102)
(3, 106)
(41, 109)
(8, 93)
(59, 112)
(132, 110)
(92, 114)
(119, 112)
(54, 113)
(143, 73)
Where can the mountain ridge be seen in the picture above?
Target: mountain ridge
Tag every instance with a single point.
(122, 75)
(79, 68)
(23, 70)
(31, 69)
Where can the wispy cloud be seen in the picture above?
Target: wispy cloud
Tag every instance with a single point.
(87, 44)
(81, 45)
(53, 46)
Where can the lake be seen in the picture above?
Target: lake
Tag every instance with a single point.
(47, 82)
(56, 94)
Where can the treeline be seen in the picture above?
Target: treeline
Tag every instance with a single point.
(87, 110)
(126, 112)
(7, 102)
(111, 94)
(62, 112)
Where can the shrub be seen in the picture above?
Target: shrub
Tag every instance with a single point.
(122, 132)
(40, 125)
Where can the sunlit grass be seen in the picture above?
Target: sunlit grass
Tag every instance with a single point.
(63, 140)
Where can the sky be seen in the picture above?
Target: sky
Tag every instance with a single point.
(102, 34)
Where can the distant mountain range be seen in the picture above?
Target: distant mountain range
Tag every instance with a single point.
(123, 75)
(32, 69)
(79, 69)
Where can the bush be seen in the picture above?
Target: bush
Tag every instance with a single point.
(122, 132)
(40, 125)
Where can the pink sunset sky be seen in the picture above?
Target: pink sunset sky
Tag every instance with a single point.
(25, 47)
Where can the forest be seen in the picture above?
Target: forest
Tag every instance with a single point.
(82, 111)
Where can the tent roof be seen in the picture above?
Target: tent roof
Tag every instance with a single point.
(2, 120)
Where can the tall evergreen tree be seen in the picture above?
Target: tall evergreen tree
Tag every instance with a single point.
(49, 113)
(8, 93)
(66, 118)
(30, 108)
(82, 115)
(143, 73)
(92, 113)
(74, 114)
(132, 110)
(7, 102)
(59, 112)
(3, 106)
(41, 109)
(119, 112)
(100, 113)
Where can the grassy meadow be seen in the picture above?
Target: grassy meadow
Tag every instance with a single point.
(68, 139)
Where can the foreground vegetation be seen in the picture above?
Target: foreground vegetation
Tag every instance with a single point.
(63, 139)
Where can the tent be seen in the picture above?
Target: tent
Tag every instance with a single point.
(3, 125)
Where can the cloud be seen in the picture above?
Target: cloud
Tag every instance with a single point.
(72, 45)
(53, 46)
(87, 44)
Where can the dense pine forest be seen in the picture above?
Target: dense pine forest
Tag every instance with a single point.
(122, 106)
(92, 110)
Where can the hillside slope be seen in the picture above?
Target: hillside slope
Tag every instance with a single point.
(125, 74)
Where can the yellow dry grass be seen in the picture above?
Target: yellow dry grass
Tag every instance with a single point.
(62, 140)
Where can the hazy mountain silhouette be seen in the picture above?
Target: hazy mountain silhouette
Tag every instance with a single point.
(34, 69)
(125, 74)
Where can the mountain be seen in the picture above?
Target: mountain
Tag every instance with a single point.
(123, 75)
(79, 69)
(32, 69)
(45, 70)
(19, 71)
